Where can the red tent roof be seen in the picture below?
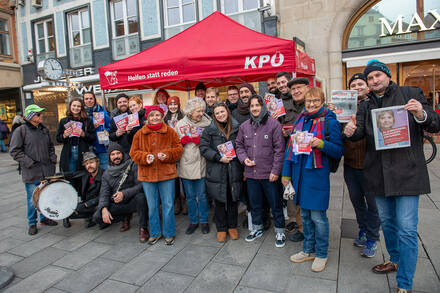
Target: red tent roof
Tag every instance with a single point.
(216, 51)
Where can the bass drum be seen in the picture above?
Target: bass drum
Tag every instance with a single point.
(55, 199)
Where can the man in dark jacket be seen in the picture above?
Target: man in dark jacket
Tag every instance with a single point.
(396, 177)
(232, 98)
(241, 113)
(32, 147)
(88, 184)
(271, 85)
(118, 135)
(121, 193)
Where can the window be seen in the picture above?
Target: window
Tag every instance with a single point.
(243, 11)
(4, 37)
(236, 6)
(45, 39)
(179, 15)
(80, 47)
(125, 28)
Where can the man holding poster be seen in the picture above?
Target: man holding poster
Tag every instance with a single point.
(397, 176)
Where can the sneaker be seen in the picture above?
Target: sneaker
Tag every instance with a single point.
(169, 241)
(403, 291)
(48, 222)
(280, 240)
(369, 249)
(254, 235)
(319, 264)
(302, 257)
(191, 228)
(153, 240)
(291, 227)
(32, 229)
(297, 236)
(361, 240)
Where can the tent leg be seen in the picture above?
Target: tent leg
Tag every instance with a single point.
(314, 81)
(293, 75)
(189, 94)
(104, 101)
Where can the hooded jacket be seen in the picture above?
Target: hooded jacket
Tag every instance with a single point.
(99, 148)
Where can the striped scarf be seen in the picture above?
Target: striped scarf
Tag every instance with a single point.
(314, 160)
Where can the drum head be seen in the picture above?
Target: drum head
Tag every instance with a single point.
(58, 200)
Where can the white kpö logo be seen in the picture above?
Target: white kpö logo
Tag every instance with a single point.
(111, 77)
(263, 59)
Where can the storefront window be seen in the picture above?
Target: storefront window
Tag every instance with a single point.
(395, 21)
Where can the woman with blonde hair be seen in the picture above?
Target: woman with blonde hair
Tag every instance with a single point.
(135, 105)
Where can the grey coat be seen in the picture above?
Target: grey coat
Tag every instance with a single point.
(33, 149)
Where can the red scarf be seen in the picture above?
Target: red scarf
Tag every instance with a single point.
(155, 127)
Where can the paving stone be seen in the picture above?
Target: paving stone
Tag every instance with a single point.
(330, 272)
(209, 239)
(124, 252)
(268, 272)
(112, 235)
(191, 260)
(237, 252)
(268, 246)
(36, 245)
(54, 290)
(9, 243)
(80, 239)
(217, 277)
(313, 285)
(37, 261)
(82, 256)
(7, 259)
(89, 276)
(180, 242)
(141, 269)
(39, 281)
(160, 282)
(243, 289)
(114, 287)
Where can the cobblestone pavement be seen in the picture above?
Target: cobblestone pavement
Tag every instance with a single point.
(92, 260)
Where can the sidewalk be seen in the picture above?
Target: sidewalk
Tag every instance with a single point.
(92, 260)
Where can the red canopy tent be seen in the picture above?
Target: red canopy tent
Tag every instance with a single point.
(217, 51)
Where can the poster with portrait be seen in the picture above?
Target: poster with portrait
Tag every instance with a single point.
(98, 118)
(345, 102)
(226, 149)
(185, 130)
(121, 121)
(275, 106)
(195, 131)
(301, 142)
(133, 120)
(391, 128)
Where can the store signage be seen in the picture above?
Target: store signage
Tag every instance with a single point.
(252, 61)
(416, 22)
(76, 73)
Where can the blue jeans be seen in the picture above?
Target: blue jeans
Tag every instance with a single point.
(157, 193)
(195, 192)
(2, 145)
(399, 218)
(31, 210)
(255, 189)
(364, 205)
(316, 232)
(73, 159)
(103, 160)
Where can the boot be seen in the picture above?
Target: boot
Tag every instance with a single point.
(177, 206)
(184, 207)
(143, 235)
(233, 234)
(221, 237)
(66, 223)
(125, 224)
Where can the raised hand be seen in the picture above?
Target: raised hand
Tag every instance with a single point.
(350, 128)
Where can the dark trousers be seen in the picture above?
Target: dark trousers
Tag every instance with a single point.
(245, 199)
(226, 214)
(83, 212)
(121, 210)
(364, 206)
(256, 189)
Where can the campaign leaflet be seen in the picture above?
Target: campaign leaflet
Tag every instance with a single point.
(185, 130)
(76, 127)
(164, 107)
(195, 131)
(301, 140)
(391, 128)
(121, 121)
(345, 102)
(287, 128)
(133, 120)
(227, 150)
(103, 137)
(274, 106)
(98, 118)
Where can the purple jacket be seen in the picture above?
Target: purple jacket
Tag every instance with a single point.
(264, 145)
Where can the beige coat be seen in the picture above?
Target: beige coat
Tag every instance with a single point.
(192, 164)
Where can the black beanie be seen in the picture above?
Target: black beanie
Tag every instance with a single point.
(200, 86)
(249, 86)
(356, 76)
(121, 96)
(113, 146)
(374, 65)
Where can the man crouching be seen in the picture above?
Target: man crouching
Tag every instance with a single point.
(121, 193)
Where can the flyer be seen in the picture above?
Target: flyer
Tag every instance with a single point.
(103, 137)
(164, 107)
(301, 140)
(274, 106)
(98, 117)
(185, 130)
(345, 102)
(133, 120)
(121, 121)
(77, 128)
(391, 128)
(287, 128)
(227, 150)
(195, 131)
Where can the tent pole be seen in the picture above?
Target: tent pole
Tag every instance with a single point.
(314, 81)
(104, 102)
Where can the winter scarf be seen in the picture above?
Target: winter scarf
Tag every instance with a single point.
(257, 121)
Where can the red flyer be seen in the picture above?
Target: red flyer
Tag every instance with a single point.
(121, 121)
(391, 128)
(227, 150)
(98, 117)
(301, 140)
(133, 120)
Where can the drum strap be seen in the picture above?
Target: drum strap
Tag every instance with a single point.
(124, 176)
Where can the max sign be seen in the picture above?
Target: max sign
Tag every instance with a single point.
(416, 22)
(275, 60)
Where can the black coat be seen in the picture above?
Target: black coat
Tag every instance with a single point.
(124, 139)
(142, 122)
(84, 143)
(240, 117)
(399, 171)
(89, 193)
(216, 171)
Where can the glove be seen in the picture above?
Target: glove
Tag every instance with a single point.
(196, 140)
(185, 139)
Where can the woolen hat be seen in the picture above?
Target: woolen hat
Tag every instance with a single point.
(121, 96)
(356, 76)
(200, 86)
(249, 86)
(149, 109)
(376, 65)
(174, 99)
(114, 146)
(89, 156)
(298, 80)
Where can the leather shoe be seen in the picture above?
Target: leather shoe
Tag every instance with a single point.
(32, 230)
(125, 224)
(48, 222)
(66, 223)
(143, 235)
(191, 228)
(384, 268)
(205, 228)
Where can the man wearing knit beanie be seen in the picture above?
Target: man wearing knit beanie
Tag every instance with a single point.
(396, 176)
(115, 134)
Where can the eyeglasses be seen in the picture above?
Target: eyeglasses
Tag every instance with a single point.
(38, 114)
(316, 101)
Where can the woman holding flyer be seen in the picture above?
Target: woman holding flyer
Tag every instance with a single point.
(260, 147)
(224, 173)
(192, 166)
(137, 117)
(161, 99)
(156, 149)
(309, 173)
(77, 133)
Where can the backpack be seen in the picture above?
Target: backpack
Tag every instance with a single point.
(332, 162)
(4, 128)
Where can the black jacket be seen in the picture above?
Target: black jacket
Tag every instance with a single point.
(124, 139)
(292, 108)
(83, 143)
(89, 193)
(217, 172)
(239, 116)
(399, 171)
(142, 121)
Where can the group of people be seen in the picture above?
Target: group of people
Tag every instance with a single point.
(144, 168)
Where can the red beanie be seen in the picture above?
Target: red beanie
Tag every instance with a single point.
(148, 110)
(174, 99)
